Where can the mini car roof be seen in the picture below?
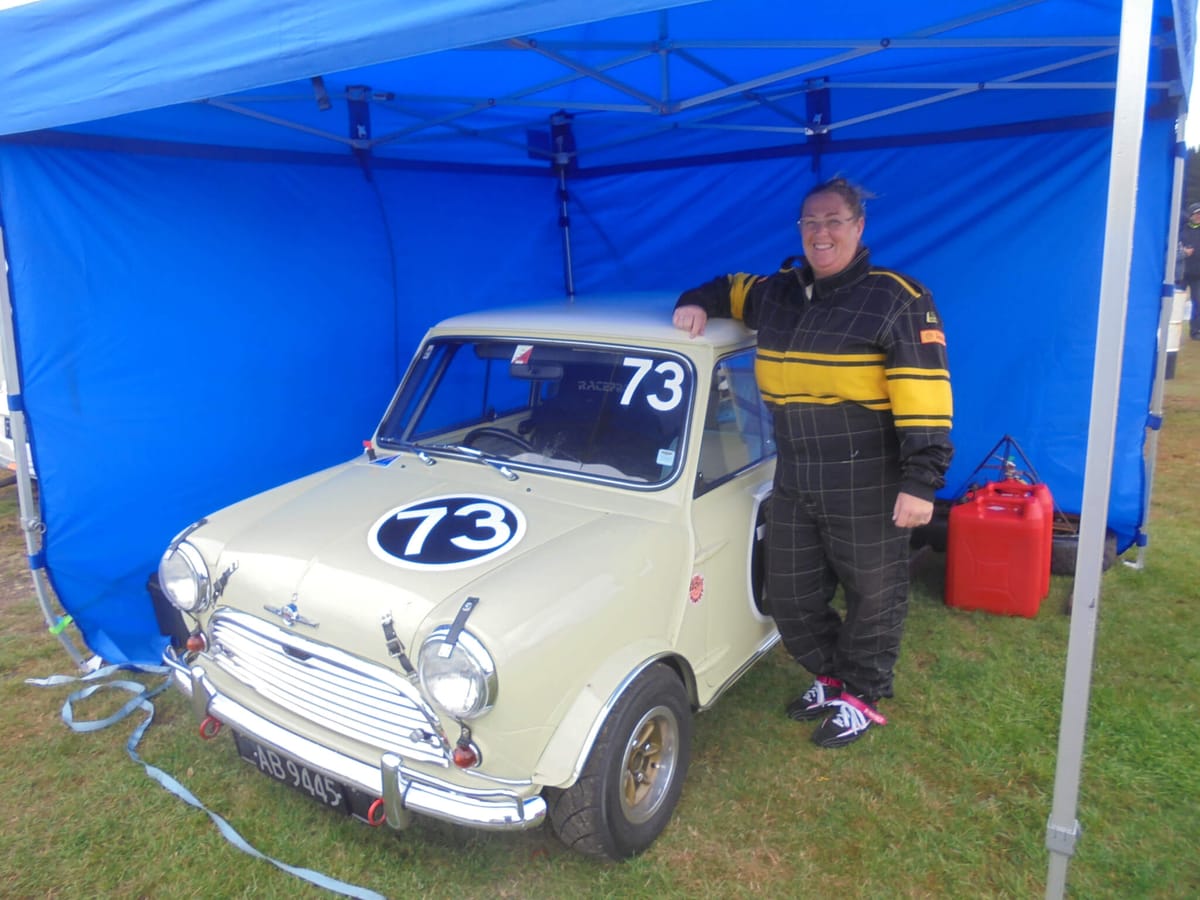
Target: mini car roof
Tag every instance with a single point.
(644, 317)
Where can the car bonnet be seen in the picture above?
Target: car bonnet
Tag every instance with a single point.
(395, 540)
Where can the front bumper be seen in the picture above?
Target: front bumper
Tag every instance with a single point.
(404, 791)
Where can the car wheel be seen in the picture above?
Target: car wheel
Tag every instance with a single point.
(634, 774)
(1065, 547)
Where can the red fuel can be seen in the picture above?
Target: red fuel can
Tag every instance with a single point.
(1041, 493)
(998, 552)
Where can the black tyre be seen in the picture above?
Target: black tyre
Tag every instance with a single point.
(1065, 547)
(633, 777)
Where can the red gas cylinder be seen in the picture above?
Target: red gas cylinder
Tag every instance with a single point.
(998, 552)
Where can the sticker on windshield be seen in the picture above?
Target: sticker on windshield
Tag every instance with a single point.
(447, 532)
(671, 388)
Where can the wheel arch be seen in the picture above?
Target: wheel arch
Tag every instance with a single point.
(566, 752)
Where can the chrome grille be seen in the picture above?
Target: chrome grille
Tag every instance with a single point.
(331, 689)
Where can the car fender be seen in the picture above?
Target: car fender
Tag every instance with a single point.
(569, 746)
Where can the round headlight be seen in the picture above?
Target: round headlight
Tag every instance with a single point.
(458, 677)
(183, 576)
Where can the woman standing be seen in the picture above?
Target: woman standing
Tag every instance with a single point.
(852, 362)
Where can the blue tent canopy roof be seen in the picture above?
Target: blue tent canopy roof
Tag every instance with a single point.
(643, 79)
(71, 61)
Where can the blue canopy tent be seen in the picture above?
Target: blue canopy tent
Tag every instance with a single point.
(228, 223)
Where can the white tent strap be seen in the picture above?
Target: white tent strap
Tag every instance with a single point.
(142, 695)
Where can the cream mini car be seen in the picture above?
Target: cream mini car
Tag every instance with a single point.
(510, 606)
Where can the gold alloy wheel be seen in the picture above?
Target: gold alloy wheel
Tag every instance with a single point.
(648, 767)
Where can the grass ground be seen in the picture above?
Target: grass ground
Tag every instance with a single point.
(949, 800)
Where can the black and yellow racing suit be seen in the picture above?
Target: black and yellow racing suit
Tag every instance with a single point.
(854, 370)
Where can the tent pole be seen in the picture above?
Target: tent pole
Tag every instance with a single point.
(564, 221)
(562, 139)
(1062, 829)
(1164, 325)
(31, 524)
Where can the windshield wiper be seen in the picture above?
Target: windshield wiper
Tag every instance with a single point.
(463, 450)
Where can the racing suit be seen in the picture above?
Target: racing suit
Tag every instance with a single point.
(853, 368)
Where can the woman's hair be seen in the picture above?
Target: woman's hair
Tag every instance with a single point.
(855, 197)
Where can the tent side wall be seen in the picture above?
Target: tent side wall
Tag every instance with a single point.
(194, 330)
(1010, 245)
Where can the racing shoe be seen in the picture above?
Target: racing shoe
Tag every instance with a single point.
(850, 722)
(814, 702)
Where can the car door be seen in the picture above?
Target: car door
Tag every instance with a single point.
(733, 487)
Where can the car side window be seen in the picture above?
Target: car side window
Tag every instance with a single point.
(737, 425)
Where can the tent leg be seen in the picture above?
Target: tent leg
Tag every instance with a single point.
(562, 140)
(1128, 117)
(31, 524)
(564, 221)
(1164, 325)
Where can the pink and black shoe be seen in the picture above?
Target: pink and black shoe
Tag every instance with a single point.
(852, 718)
(815, 702)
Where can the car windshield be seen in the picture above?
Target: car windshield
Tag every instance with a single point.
(610, 413)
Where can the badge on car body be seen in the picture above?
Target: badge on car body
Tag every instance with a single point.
(447, 532)
(290, 613)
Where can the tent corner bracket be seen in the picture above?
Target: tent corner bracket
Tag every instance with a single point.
(1062, 840)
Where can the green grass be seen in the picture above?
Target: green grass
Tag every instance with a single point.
(951, 799)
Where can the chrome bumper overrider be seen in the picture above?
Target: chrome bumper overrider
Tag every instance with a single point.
(403, 790)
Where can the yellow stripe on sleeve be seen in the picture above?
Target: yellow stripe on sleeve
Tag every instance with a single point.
(739, 288)
(904, 283)
(940, 422)
(917, 372)
(921, 397)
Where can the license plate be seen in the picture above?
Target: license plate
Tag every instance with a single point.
(282, 767)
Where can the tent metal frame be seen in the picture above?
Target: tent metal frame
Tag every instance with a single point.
(1164, 324)
(1062, 828)
(32, 526)
(755, 93)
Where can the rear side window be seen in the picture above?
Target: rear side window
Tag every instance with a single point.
(738, 431)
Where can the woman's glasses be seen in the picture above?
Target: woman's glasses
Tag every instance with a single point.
(812, 226)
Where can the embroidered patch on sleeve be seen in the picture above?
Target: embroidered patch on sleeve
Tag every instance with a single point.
(933, 336)
(930, 317)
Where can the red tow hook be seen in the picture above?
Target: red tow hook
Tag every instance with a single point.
(376, 815)
(210, 727)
